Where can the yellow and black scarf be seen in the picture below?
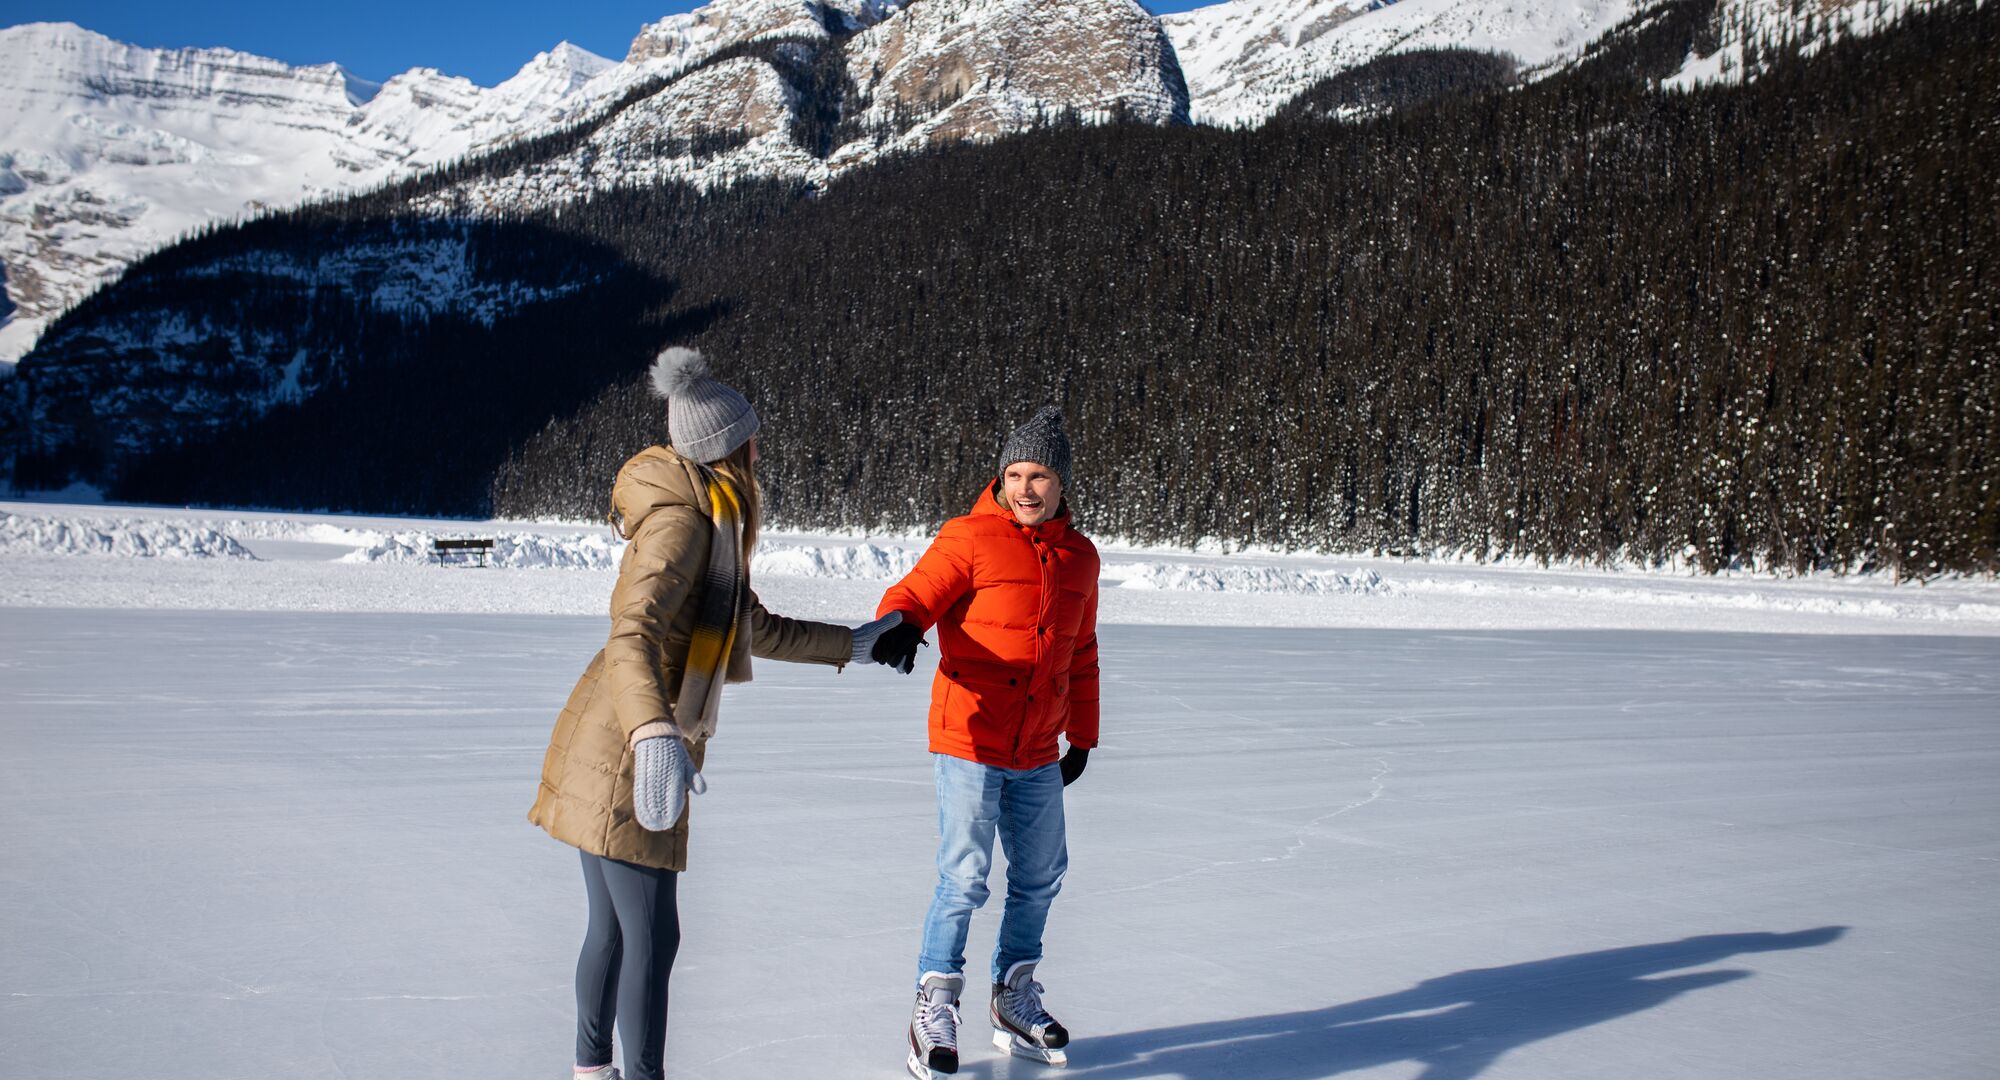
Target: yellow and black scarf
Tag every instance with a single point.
(723, 614)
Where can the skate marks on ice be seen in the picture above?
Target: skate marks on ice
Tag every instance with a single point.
(251, 844)
(1454, 1026)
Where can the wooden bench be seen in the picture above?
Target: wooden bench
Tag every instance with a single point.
(471, 548)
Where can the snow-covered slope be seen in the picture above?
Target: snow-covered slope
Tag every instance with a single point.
(422, 118)
(656, 139)
(1246, 58)
(163, 369)
(1220, 43)
(108, 150)
(1746, 29)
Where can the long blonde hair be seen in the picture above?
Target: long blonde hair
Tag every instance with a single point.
(742, 476)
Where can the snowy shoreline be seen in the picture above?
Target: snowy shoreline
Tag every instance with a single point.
(104, 556)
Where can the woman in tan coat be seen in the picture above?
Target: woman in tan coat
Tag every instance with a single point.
(634, 733)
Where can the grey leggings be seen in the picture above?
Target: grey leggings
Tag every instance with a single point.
(628, 952)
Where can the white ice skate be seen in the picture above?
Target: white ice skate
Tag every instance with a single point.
(934, 1026)
(1020, 1025)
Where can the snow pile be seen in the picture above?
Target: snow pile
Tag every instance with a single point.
(126, 537)
(863, 562)
(239, 560)
(1188, 577)
(516, 551)
(280, 528)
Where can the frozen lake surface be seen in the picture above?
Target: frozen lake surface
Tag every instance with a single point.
(248, 844)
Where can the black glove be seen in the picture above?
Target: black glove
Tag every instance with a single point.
(897, 647)
(1073, 763)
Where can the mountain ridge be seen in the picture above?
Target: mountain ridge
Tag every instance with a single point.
(125, 149)
(124, 162)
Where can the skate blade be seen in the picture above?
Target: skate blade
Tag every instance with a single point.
(1021, 1048)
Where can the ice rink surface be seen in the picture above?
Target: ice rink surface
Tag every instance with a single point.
(251, 844)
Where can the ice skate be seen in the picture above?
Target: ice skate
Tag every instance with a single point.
(934, 1026)
(1020, 1025)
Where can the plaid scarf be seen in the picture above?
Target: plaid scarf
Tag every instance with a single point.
(722, 619)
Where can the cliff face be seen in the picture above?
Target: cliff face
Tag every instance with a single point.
(984, 68)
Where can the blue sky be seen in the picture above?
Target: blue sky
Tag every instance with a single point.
(485, 42)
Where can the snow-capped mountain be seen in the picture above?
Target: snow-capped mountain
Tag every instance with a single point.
(108, 150)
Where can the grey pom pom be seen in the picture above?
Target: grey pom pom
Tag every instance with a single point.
(676, 369)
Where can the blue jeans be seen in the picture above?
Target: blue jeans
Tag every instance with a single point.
(1025, 808)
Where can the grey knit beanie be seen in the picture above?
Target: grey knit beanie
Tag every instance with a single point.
(706, 421)
(1042, 441)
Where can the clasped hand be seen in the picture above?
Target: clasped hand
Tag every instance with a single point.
(889, 641)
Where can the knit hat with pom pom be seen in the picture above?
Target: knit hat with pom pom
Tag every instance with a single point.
(706, 421)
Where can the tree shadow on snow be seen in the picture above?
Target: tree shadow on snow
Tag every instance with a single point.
(1455, 1025)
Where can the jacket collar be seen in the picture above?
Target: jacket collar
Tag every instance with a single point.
(989, 503)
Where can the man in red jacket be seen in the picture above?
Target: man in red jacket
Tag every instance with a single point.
(1012, 590)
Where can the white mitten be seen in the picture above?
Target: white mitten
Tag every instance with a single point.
(866, 634)
(662, 775)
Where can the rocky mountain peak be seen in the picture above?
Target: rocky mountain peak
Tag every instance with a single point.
(982, 68)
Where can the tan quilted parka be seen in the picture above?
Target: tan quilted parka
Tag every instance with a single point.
(586, 792)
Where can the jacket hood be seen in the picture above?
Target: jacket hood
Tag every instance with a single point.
(654, 477)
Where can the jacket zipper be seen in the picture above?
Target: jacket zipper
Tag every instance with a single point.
(1042, 618)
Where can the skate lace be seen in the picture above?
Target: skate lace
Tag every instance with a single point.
(1024, 1002)
(938, 1023)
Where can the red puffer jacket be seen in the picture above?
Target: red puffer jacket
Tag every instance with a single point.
(1015, 609)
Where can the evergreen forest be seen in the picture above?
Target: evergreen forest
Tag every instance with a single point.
(1428, 308)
